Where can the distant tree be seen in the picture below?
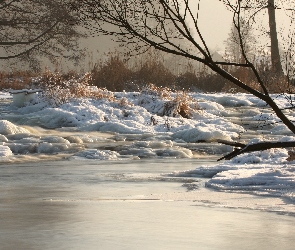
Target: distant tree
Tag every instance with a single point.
(33, 29)
(233, 48)
(147, 23)
(254, 7)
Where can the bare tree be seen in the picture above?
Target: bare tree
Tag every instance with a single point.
(233, 48)
(254, 8)
(275, 53)
(148, 23)
(32, 29)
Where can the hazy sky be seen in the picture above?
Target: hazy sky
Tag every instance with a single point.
(215, 23)
(214, 20)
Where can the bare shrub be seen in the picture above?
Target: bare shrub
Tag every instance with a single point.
(187, 81)
(16, 80)
(210, 83)
(180, 103)
(183, 104)
(152, 89)
(274, 83)
(123, 102)
(61, 88)
(154, 72)
(112, 74)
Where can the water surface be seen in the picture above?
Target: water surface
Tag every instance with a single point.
(129, 205)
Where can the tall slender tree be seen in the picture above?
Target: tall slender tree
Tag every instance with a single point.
(275, 52)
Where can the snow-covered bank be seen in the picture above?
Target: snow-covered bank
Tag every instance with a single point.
(133, 126)
(150, 118)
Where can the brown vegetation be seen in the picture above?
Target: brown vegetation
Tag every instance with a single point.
(115, 74)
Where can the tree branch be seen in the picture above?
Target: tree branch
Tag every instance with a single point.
(254, 147)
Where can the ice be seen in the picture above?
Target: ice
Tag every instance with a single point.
(21, 97)
(233, 101)
(3, 138)
(5, 151)
(202, 133)
(261, 173)
(7, 127)
(22, 148)
(5, 95)
(97, 154)
(271, 181)
(55, 139)
(50, 148)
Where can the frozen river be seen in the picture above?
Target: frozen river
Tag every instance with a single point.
(94, 175)
(120, 205)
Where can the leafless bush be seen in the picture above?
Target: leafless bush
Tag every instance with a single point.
(61, 88)
(152, 89)
(154, 72)
(183, 104)
(112, 74)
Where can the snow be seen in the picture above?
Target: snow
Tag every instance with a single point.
(20, 97)
(7, 127)
(203, 132)
(96, 154)
(5, 152)
(5, 95)
(135, 126)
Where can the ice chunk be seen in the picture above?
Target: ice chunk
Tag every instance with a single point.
(3, 138)
(7, 128)
(5, 151)
(201, 134)
(233, 101)
(176, 152)
(20, 97)
(51, 148)
(23, 148)
(98, 154)
(55, 139)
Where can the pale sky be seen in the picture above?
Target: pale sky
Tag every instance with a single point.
(215, 23)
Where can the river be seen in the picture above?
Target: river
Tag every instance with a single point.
(67, 189)
(129, 205)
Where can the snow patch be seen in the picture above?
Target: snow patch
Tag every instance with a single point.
(7, 127)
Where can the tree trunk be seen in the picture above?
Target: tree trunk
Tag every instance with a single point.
(275, 54)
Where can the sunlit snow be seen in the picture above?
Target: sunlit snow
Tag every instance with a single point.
(138, 128)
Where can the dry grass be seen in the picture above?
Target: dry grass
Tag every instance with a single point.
(152, 89)
(59, 88)
(180, 103)
(16, 80)
(112, 74)
(183, 104)
(146, 73)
